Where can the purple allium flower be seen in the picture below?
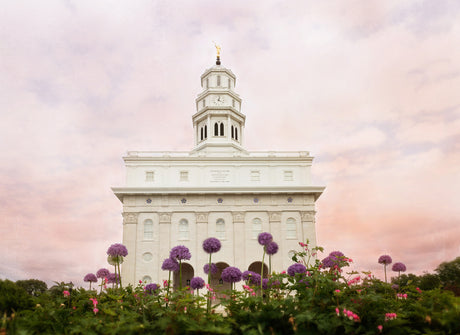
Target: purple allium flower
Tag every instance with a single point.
(336, 254)
(385, 259)
(399, 267)
(170, 265)
(180, 252)
(151, 288)
(296, 268)
(231, 274)
(264, 238)
(197, 283)
(395, 286)
(113, 278)
(251, 277)
(211, 245)
(265, 283)
(275, 283)
(334, 258)
(328, 262)
(214, 268)
(271, 248)
(91, 277)
(102, 273)
(117, 249)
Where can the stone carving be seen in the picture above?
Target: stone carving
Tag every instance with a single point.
(130, 218)
(274, 216)
(308, 216)
(238, 216)
(202, 217)
(165, 217)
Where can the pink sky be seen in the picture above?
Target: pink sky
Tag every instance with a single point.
(370, 88)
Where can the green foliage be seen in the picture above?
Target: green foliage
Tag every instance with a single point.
(13, 298)
(449, 274)
(321, 301)
(34, 287)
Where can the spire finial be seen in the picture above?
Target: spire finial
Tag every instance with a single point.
(218, 48)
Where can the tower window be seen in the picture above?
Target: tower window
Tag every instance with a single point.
(291, 228)
(220, 229)
(148, 229)
(207, 82)
(233, 133)
(216, 129)
(183, 229)
(204, 102)
(205, 131)
(236, 133)
(218, 80)
(229, 83)
(202, 133)
(149, 176)
(184, 176)
(256, 227)
(221, 129)
(233, 102)
(288, 175)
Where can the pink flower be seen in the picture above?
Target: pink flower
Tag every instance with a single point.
(418, 290)
(390, 316)
(337, 311)
(337, 291)
(140, 281)
(66, 293)
(380, 328)
(283, 272)
(95, 302)
(95, 310)
(165, 283)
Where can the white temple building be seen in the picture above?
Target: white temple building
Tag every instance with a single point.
(218, 189)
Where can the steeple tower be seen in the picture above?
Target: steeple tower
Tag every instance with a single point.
(218, 123)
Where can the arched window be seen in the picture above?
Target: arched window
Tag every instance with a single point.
(148, 229)
(183, 229)
(220, 229)
(233, 133)
(236, 133)
(201, 137)
(216, 129)
(291, 228)
(221, 129)
(256, 227)
(146, 280)
(205, 131)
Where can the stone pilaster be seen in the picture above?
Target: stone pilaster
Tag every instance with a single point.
(308, 227)
(128, 269)
(239, 238)
(275, 230)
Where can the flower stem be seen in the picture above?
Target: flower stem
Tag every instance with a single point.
(180, 274)
(208, 303)
(262, 274)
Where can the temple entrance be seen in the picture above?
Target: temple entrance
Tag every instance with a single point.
(187, 275)
(217, 284)
(256, 267)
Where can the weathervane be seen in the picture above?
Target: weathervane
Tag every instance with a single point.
(218, 48)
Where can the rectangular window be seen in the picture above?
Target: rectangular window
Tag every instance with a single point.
(288, 175)
(207, 82)
(218, 80)
(229, 82)
(184, 176)
(149, 176)
(255, 175)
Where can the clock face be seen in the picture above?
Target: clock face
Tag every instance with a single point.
(219, 100)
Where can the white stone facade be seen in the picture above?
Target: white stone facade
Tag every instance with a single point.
(216, 190)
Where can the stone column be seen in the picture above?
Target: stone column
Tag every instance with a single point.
(201, 258)
(239, 238)
(275, 230)
(128, 268)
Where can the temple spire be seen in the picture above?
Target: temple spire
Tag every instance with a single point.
(218, 48)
